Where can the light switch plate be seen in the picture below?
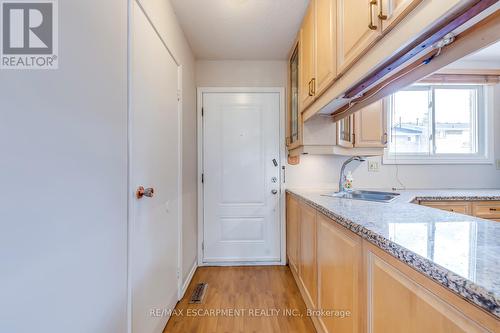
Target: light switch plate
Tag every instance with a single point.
(498, 164)
(373, 166)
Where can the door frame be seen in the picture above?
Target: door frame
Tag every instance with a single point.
(282, 161)
(131, 195)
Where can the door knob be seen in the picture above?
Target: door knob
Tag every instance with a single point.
(144, 192)
(274, 191)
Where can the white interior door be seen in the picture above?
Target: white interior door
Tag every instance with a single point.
(154, 164)
(241, 182)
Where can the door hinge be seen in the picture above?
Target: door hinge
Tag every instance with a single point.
(203, 246)
(202, 112)
(202, 178)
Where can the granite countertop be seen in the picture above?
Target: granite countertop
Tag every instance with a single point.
(460, 252)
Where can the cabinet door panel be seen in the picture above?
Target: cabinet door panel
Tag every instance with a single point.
(345, 131)
(339, 275)
(308, 268)
(292, 232)
(461, 207)
(306, 58)
(395, 10)
(294, 117)
(487, 209)
(353, 32)
(326, 61)
(369, 126)
(398, 304)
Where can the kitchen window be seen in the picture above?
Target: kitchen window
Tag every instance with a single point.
(438, 124)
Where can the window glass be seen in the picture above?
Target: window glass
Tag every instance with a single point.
(411, 122)
(437, 121)
(455, 121)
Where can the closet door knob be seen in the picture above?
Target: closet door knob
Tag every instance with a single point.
(144, 192)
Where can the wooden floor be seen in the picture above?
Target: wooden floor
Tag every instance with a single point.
(258, 297)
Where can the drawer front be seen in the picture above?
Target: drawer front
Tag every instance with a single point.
(487, 209)
(460, 207)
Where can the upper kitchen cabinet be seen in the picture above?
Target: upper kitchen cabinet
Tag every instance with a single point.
(370, 127)
(358, 26)
(307, 64)
(360, 23)
(326, 55)
(364, 129)
(317, 50)
(363, 133)
(294, 117)
(392, 11)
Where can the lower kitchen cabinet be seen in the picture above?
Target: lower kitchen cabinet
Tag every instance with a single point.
(339, 272)
(307, 254)
(485, 209)
(339, 276)
(461, 207)
(292, 232)
(396, 303)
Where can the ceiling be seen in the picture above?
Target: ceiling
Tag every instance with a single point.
(240, 29)
(488, 54)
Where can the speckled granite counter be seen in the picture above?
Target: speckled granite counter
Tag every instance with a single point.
(460, 252)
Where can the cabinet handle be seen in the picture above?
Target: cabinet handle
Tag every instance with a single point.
(381, 12)
(313, 86)
(384, 139)
(371, 26)
(310, 89)
(493, 209)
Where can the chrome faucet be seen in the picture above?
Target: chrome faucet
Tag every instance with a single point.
(342, 176)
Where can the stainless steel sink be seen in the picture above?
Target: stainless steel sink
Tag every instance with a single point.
(365, 195)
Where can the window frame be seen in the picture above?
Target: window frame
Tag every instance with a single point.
(484, 119)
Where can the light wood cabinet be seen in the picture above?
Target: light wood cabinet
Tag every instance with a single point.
(292, 231)
(340, 271)
(390, 12)
(325, 44)
(370, 130)
(357, 28)
(317, 50)
(396, 303)
(360, 23)
(339, 276)
(307, 65)
(461, 207)
(345, 130)
(307, 253)
(364, 129)
(486, 209)
(294, 123)
(483, 209)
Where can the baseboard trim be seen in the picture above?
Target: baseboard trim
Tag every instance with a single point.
(242, 263)
(186, 283)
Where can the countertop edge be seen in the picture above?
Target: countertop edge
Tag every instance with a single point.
(459, 285)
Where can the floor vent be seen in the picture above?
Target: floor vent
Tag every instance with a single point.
(198, 293)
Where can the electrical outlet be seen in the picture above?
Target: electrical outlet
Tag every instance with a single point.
(373, 166)
(498, 164)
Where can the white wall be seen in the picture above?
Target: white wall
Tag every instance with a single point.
(235, 73)
(163, 16)
(63, 170)
(323, 171)
(63, 167)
